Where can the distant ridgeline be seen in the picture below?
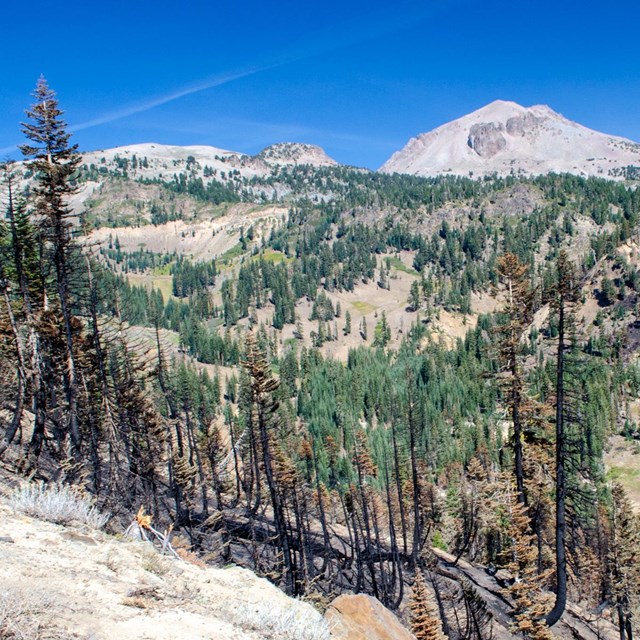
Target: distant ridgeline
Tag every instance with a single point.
(326, 373)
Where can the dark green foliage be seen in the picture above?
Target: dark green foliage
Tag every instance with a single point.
(136, 262)
(607, 292)
(212, 191)
(382, 333)
(189, 277)
(322, 308)
(323, 475)
(414, 296)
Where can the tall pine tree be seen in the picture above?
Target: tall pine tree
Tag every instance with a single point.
(54, 160)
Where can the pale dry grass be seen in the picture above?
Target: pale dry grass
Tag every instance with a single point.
(27, 616)
(57, 503)
(296, 622)
(17, 622)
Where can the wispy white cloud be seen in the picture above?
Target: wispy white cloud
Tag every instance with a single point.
(152, 103)
(248, 135)
(321, 42)
(339, 36)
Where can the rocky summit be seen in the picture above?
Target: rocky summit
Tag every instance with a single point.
(505, 138)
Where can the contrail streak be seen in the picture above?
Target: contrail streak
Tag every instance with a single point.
(141, 107)
(216, 81)
(321, 42)
(7, 150)
(315, 45)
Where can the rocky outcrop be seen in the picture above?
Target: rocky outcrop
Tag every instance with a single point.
(292, 153)
(487, 139)
(153, 161)
(363, 617)
(522, 125)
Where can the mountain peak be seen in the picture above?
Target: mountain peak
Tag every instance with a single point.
(288, 153)
(504, 137)
(499, 106)
(504, 109)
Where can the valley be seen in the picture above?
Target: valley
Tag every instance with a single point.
(341, 379)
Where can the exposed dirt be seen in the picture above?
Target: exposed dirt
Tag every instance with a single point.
(82, 583)
(201, 239)
(622, 460)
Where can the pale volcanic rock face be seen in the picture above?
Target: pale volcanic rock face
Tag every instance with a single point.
(505, 138)
(291, 153)
(157, 161)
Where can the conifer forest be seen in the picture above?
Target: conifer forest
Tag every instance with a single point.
(263, 402)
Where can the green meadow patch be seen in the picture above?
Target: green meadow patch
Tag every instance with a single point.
(231, 254)
(629, 478)
(363, 307)
(398, 265)
(275, 257)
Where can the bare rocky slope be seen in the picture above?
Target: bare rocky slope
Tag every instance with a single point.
(59, 582)
(159, 161)
(65, 581)
(504, 138)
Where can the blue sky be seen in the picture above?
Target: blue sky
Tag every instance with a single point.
(358, 78)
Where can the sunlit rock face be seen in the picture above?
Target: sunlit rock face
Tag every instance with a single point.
(487, 139)
(363, 617)
(505, 138)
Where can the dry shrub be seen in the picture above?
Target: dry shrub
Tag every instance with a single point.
(137, 602)
(154, 563)
(191, 558)
(28, 616)
(17, 622)
(57, 503)
(298, 621)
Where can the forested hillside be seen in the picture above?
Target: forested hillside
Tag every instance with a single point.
(344, 380)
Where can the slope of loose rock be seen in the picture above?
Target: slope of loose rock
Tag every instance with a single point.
(504, 138)
(157, 161)
(291, 153)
